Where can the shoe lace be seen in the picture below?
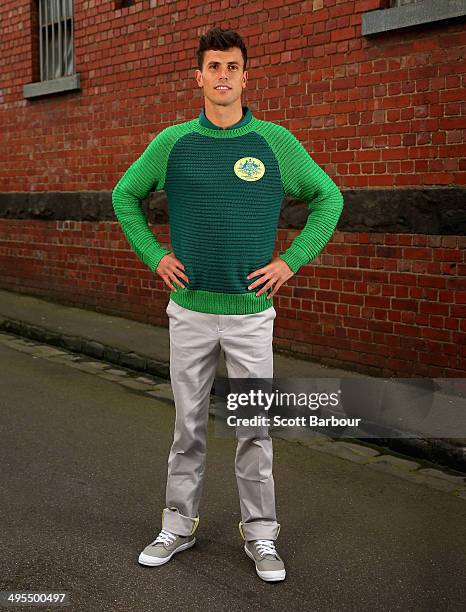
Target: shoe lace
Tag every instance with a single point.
(165, 537)
(265, 547)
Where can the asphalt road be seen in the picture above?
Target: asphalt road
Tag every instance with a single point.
(83, 467)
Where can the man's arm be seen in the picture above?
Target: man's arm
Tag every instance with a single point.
(305, 180)
(145, 174)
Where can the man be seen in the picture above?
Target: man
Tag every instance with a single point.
(225, 174)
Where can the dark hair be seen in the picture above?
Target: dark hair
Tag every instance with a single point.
(220, 40)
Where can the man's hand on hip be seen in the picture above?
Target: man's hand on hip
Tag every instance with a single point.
(170, 268)
(273, 274)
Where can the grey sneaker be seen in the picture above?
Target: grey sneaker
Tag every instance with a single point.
(165, 545)
(269, 564)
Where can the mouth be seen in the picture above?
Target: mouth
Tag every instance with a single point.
(222, 88)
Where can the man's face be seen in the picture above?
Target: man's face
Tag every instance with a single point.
(222, 68)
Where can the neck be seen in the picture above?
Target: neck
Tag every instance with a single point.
(223, 116)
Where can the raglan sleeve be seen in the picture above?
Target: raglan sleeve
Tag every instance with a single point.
(146, 174)
(305, 180)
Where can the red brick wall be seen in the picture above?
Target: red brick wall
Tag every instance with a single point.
(377, 303)
(380, 303)
(379, 111)
(383, 111)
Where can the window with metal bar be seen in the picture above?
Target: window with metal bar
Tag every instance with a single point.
(53, 65)
(56, 39)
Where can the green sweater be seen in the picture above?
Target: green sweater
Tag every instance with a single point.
(225, 188)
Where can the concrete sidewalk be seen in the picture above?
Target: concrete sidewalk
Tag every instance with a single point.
(84, 456)
(131, 338)
(145, 348)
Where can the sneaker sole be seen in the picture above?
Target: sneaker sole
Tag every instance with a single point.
(268, 576)
(155, 561)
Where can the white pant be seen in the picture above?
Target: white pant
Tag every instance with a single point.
(196, 339)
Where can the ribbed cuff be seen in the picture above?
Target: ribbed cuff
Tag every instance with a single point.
(295, 258)
(152, 257)
(221, 303)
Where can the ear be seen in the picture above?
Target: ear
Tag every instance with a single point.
(198, 77)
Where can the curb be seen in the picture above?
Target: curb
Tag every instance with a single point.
(436, 451)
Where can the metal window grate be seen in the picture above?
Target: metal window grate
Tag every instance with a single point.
(56, 39)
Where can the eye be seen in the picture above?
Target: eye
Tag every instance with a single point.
(214, 66)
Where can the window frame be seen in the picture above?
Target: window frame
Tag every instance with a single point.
(67, 82)
(408, 15)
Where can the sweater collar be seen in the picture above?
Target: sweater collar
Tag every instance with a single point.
(247, 116)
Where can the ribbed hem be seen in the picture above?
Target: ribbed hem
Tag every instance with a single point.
(221, 303)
